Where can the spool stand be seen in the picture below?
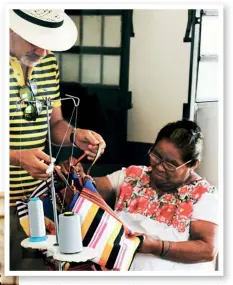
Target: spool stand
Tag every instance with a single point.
(51, 244)
(87, 253)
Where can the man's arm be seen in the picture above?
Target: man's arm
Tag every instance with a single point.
(60, 129)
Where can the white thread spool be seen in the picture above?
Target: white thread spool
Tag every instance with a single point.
(69, 236)
(51, 166)
(36, 220)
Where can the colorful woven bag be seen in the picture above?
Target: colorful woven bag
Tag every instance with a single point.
(101, 228)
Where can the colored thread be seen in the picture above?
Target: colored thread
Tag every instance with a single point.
(36, 220)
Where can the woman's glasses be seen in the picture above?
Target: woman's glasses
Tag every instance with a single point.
(169, 167)
(27, 95)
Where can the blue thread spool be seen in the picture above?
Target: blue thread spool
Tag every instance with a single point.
(36, 220)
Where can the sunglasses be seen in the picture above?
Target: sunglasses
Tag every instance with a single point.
(27, 94)
(169, 167)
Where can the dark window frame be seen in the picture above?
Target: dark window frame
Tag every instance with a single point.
(194, 25)
(123, 51)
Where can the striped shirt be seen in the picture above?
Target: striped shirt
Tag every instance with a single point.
(30, 134)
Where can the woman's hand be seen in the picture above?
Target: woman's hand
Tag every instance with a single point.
(150, 245)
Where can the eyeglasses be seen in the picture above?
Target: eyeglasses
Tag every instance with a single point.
(167, 165)
(27, 94)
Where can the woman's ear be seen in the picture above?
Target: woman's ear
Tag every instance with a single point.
(197, 163)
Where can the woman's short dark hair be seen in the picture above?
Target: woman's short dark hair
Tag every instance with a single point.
(186, 135)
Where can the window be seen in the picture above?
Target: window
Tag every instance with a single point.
(96, 70)
(204, 31)
(207, 81)
(100, 56)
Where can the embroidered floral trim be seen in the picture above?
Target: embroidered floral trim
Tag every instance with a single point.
(173, 209)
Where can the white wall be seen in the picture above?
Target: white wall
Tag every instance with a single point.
(159, 71)
(207, 119)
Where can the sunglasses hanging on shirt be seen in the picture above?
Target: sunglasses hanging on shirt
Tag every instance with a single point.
(27, 95)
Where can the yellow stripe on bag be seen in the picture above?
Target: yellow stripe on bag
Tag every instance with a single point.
(88, 220)
(109, 246)
(136, 242)
(24, 222)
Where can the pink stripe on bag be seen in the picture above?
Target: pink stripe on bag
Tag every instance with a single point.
(121, 256)
(99, 231)
(78, 204)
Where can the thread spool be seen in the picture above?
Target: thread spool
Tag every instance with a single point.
(69, 236)
(51, 166)
(36, 220)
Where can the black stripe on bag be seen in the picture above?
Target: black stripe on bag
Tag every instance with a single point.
(22, 209)
(93, 227)
(41, 189)
(141, 238)
(21, 212)
(21, 215)
(115, 250)
(21, 206)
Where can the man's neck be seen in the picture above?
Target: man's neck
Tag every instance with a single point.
(25, 71)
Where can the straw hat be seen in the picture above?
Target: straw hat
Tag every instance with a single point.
(45, 28)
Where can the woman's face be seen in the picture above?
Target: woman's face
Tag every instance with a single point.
(163, 178)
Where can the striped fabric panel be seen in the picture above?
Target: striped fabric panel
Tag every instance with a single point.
(126, 253)
(98, 200)
(25, 134)
(22, 210)
(101, 229)
(105, 232)
(114, 230)
(43, 188)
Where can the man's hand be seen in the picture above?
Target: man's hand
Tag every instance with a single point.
(35, 162)
(88, 141)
